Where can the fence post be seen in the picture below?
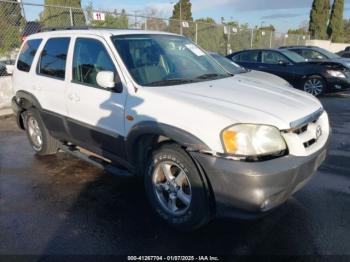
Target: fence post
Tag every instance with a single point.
(196, 33)
(71, 17)
(271, 38)
(251, 38)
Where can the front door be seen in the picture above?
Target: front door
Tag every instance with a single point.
(95, 115)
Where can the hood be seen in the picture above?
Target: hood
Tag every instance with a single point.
(344, 61)
(245, 99)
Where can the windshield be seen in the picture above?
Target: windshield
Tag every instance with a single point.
(293, 56)
(327, 53)
(161, 60)
(229, 65)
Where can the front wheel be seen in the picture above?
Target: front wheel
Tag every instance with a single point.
(175, 188)
(315, 85)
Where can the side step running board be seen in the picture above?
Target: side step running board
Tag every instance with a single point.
(96, 161)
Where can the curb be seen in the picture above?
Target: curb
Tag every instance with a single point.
(5, 113)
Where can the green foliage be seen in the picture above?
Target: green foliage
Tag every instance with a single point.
(11, 22)
(186, 15)
(210, 36)
(60, 16)
(319, 19)
(335, 27)
(298, 31)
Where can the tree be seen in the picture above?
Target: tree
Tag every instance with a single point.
(335, 27)
(11, 22)
(186, 15)
(57, 13)
(210, 36)
(319, 19)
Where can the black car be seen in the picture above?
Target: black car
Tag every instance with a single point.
(315, 77)
(314, 53)
(228, 64)
(345, 54)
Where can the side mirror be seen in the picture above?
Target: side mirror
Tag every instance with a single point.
(10, 69)
(282, 62)
(108, 80)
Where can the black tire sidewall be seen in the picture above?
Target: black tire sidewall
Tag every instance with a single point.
(198, 212)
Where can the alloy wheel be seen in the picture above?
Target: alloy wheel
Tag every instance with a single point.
(172, 187)
(313, 86)
(35, 133)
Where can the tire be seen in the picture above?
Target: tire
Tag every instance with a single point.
(39, 137)
(315, 85)
(192, 197)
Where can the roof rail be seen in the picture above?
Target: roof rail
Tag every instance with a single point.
(48, 29)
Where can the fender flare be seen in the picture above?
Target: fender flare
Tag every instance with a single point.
(180, 136)
(26, 100)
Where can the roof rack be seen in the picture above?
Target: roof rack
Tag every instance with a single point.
(48, 29)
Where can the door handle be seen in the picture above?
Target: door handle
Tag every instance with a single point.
(74, 97)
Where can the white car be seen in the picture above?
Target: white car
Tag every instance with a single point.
(208, 143)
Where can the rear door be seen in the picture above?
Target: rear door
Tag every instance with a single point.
(96, 115)
(50, 83)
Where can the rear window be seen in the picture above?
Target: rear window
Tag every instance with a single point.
(53, 58)
(27, 54)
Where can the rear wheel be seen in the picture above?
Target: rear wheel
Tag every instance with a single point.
(315, 85)
(175, 188)
(39, 137)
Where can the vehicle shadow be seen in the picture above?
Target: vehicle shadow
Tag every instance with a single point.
(111, 216)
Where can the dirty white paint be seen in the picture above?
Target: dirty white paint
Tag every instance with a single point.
(6, 92)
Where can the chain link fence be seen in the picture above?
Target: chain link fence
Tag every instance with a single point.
(223, 39)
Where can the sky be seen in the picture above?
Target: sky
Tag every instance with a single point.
(283, 14)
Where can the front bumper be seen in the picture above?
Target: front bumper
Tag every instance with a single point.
(248, 189)
(335, 84)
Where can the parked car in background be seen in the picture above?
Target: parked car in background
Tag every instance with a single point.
(208, 143)
(314, 77)
(345, 54)
(260, 76)
(314, 53)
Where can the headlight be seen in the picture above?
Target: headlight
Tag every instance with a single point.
(335, 73)
(252, 140)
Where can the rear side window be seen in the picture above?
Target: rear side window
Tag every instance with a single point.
(27, 54)
(250, 57)
(90, 57)
(53, 58)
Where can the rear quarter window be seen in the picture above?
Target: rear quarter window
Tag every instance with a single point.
(27, 54)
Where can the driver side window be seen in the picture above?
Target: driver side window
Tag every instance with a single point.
(90, 58)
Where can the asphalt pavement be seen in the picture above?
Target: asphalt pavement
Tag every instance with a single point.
(61, 205)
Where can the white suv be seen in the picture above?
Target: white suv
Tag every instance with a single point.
(208, 142)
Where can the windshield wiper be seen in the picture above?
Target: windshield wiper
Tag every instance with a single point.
(212, 76)
(175, 81)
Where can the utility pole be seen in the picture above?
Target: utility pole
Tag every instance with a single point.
(181, 31)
